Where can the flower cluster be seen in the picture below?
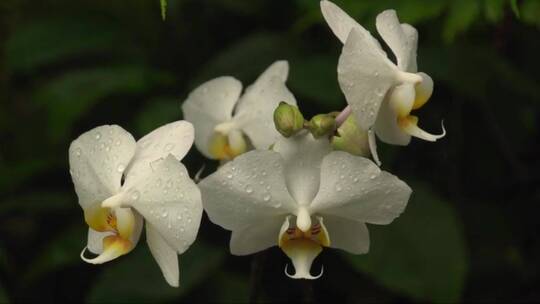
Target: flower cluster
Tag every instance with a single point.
(283, 181)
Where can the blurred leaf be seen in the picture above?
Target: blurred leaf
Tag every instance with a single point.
(315, 77)
(163, 4)
(39, 202)
(530, 12)
(69, 96)
(136, 277)
(60, 252)
(247, 58)
(422, 253)
(461, 15)
(158, 112)
(242, 7)
(494, 9)
(16, 173)
(515, 8)
(46, 41)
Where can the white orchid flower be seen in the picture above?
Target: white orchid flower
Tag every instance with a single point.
(222, 135)
(120, 182)
(301, 197)
(381, 93)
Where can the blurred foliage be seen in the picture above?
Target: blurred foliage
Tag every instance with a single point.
(468, 234)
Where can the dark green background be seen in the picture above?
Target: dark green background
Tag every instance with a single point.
(469, 233)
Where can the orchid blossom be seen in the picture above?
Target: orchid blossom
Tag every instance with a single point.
(120, 183)
(302, 197)
(380, 93)
(226, 123)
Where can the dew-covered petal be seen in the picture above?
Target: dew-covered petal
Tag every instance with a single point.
(365, 76)
(97, 160)
(303, 155)
(164, 254)
(255, 110)
(402, 39)
(256, 237)
(170, 201)
(210, 104)
(248, 190)
(174, 138)
(387, 128)
(346, 234)
(355, 188)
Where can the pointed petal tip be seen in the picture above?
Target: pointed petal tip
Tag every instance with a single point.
(305, 276)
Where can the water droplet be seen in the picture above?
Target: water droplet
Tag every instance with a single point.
(342, 176)
(338, 188)
(263, 173)
(169, 147)
(98, 136)
(78, 152)
(120, 168)
(189, 220)
(135, 195)
(229, 176)
(355, 180)
(249, 189)
(117, 143)
(164, 214)
(267, 197)
(373, 176)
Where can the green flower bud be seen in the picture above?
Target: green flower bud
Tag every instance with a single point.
(350, 138)
(288, 119)
(322, 124)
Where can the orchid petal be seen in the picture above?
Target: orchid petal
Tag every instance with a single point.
(342, 24)
(95, 238)
(410, 126)
(97, 160)
(170, 201)
(423, 90)
(208, 105)
(355, 188)
(255, 110)
(247, 190)
(113, 247)
(372, 142)
(255, 237)
(346, 234)
(402, 40)
(279, 69)
(302, 155)
(365, 76)
(174, 138)
(164, 254)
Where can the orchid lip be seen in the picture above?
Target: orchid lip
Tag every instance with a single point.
(303, 276)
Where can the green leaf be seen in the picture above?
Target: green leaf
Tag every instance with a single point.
(515, 8)
(494, 9)
(47, 41)
(60, 252)
(422, 253)
(461, 15)
(16, 173)
(136, 277)
(530, 12)
(69, 96)
(163, 4)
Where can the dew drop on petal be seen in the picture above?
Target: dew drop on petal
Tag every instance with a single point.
(98, 136)
(169, 147)
(267, 197)
(135, 195)
(120, 168)
(249, 189)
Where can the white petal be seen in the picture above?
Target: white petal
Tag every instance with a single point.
(256, 237)
(365, 76)
(248, 190)
(346, 234)
(97, 160)
(372, 142)
(279, 69)
(342, 24)
(175, 138)
(170, 201)
(210, 104)
(165, 255)
(402, 40)
(412, 40)
(355, 188)
(255, 110)
(303, 156)
(387, 128)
